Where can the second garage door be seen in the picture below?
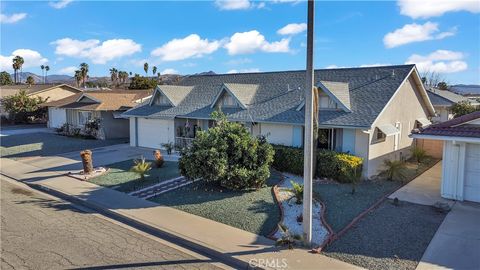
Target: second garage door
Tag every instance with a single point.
(153, 133)
(472, 172)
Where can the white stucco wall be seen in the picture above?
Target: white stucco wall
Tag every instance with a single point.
(405, 108)
(133, 135)
(443, 114)
(56, 117)
(277, 134)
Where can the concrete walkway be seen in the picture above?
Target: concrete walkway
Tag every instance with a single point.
(425, 189)
(456, 244)
(236, 246)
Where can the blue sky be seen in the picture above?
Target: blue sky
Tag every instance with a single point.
(241, 36)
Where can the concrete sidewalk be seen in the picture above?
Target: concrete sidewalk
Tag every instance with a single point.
(456, 244)
(425, 189)
(236, 246)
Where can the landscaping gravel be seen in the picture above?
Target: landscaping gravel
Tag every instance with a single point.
(389, 237)
(120, 178)
(253, 211)
(47, 144)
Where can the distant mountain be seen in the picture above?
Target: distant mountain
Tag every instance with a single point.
(49, 79)
(206, 73)
(464, 89)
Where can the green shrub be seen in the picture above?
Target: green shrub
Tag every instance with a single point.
(394, 169)
(141, 167)
(344, 168)
(297, 190)
(419, 154)
(288, 159)
(229, 155)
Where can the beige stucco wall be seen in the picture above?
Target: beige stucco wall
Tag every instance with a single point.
(55, 93)
(406, 106)
(277, 134)
(443, 114)
(361, 149)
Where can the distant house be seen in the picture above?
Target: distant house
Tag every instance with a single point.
(461, 155)
(51, 91)
(442, 100)
(368, 112)
(105, 105)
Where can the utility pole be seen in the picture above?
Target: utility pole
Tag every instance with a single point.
(308, 140)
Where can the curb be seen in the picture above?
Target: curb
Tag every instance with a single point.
(145, 227)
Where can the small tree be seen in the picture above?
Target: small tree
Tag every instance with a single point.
(5, 78)
(228, 155)
(297, 190)
(22, 107)
(462, 108)
(30, 80)
(442, 86)
(139, 82)
(394, 169)
(419, 154)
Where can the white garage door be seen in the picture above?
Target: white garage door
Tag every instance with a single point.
(153, 132)
(56, 117)
(472, 172)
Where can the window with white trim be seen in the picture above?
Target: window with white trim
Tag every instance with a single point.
(84, 117)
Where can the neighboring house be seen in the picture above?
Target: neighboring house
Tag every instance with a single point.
(461, 155)
(442, 107)
(105, 105)
(368, 112)
(50, 92)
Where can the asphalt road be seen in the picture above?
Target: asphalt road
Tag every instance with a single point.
(42, 232)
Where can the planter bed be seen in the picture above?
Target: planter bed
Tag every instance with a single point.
(47, 144)
(389, 237)
(253, 211)
(120, 178)
(342, 207)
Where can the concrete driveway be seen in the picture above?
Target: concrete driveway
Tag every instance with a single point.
(26, 130)
(456, 244)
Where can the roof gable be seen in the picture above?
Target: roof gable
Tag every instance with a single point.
(244, 94)
(174, 93)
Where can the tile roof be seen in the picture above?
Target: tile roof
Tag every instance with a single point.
(457, 127)
(279, 94)
(108, 100)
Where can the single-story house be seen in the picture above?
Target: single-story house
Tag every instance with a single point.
(51, 92)
(461, 155)
(368, 112)
(443, 99)
(105, 105)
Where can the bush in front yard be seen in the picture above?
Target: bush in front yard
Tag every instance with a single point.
(288, 159)
(229, 155)
(344, 168)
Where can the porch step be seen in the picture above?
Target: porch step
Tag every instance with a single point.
(160, 188)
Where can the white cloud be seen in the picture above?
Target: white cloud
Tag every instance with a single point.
(233, 4)
(31, 58)
(410, 33)
(292, 29)
(16, 17)
(252, 41)
(440, 61)
(68, 70)
(98, 53)
(169, 71)
(190, 46)
(334, 66)
(246, 70)
(432, 8)
(60, 4)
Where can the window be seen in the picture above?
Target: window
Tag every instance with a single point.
(160, 100)
(325, 102)
(84, 117)
(380, 136)
(228, 101)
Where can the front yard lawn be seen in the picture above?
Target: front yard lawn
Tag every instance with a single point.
(389, 237)
(47, 144)
(342, 207)
(120, 178)
(253, 211)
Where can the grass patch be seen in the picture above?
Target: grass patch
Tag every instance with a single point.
(390, 237)
(253, 211)
(342, 207)
(47, 144)
(120, 177)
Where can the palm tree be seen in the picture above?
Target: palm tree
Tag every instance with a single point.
(17, 64)
(47, 68)
(154, 70)
(145, 67)
(30, 81)
(20, 65)
(15, 68)
(43, 74)
(78, 77)
(114, 75)
(84, 71)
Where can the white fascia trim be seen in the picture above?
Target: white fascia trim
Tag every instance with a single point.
(87, 96)
(158, 90)
(446, 138)
(331, 95)
(224, 87)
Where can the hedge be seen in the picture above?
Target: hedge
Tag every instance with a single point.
(330, 164)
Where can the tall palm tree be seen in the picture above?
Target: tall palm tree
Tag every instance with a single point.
(47, 68)
(84, 71)
(17, 64)
(78, 77)
(15, 68)
(154, 70)
(145, 67)
(114, 75)
(20, 65)
(43, 73)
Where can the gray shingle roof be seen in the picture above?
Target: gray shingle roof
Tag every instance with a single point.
(175, 93)
(340, 92)
(279, 94)
(245, 93)
(438, 100)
